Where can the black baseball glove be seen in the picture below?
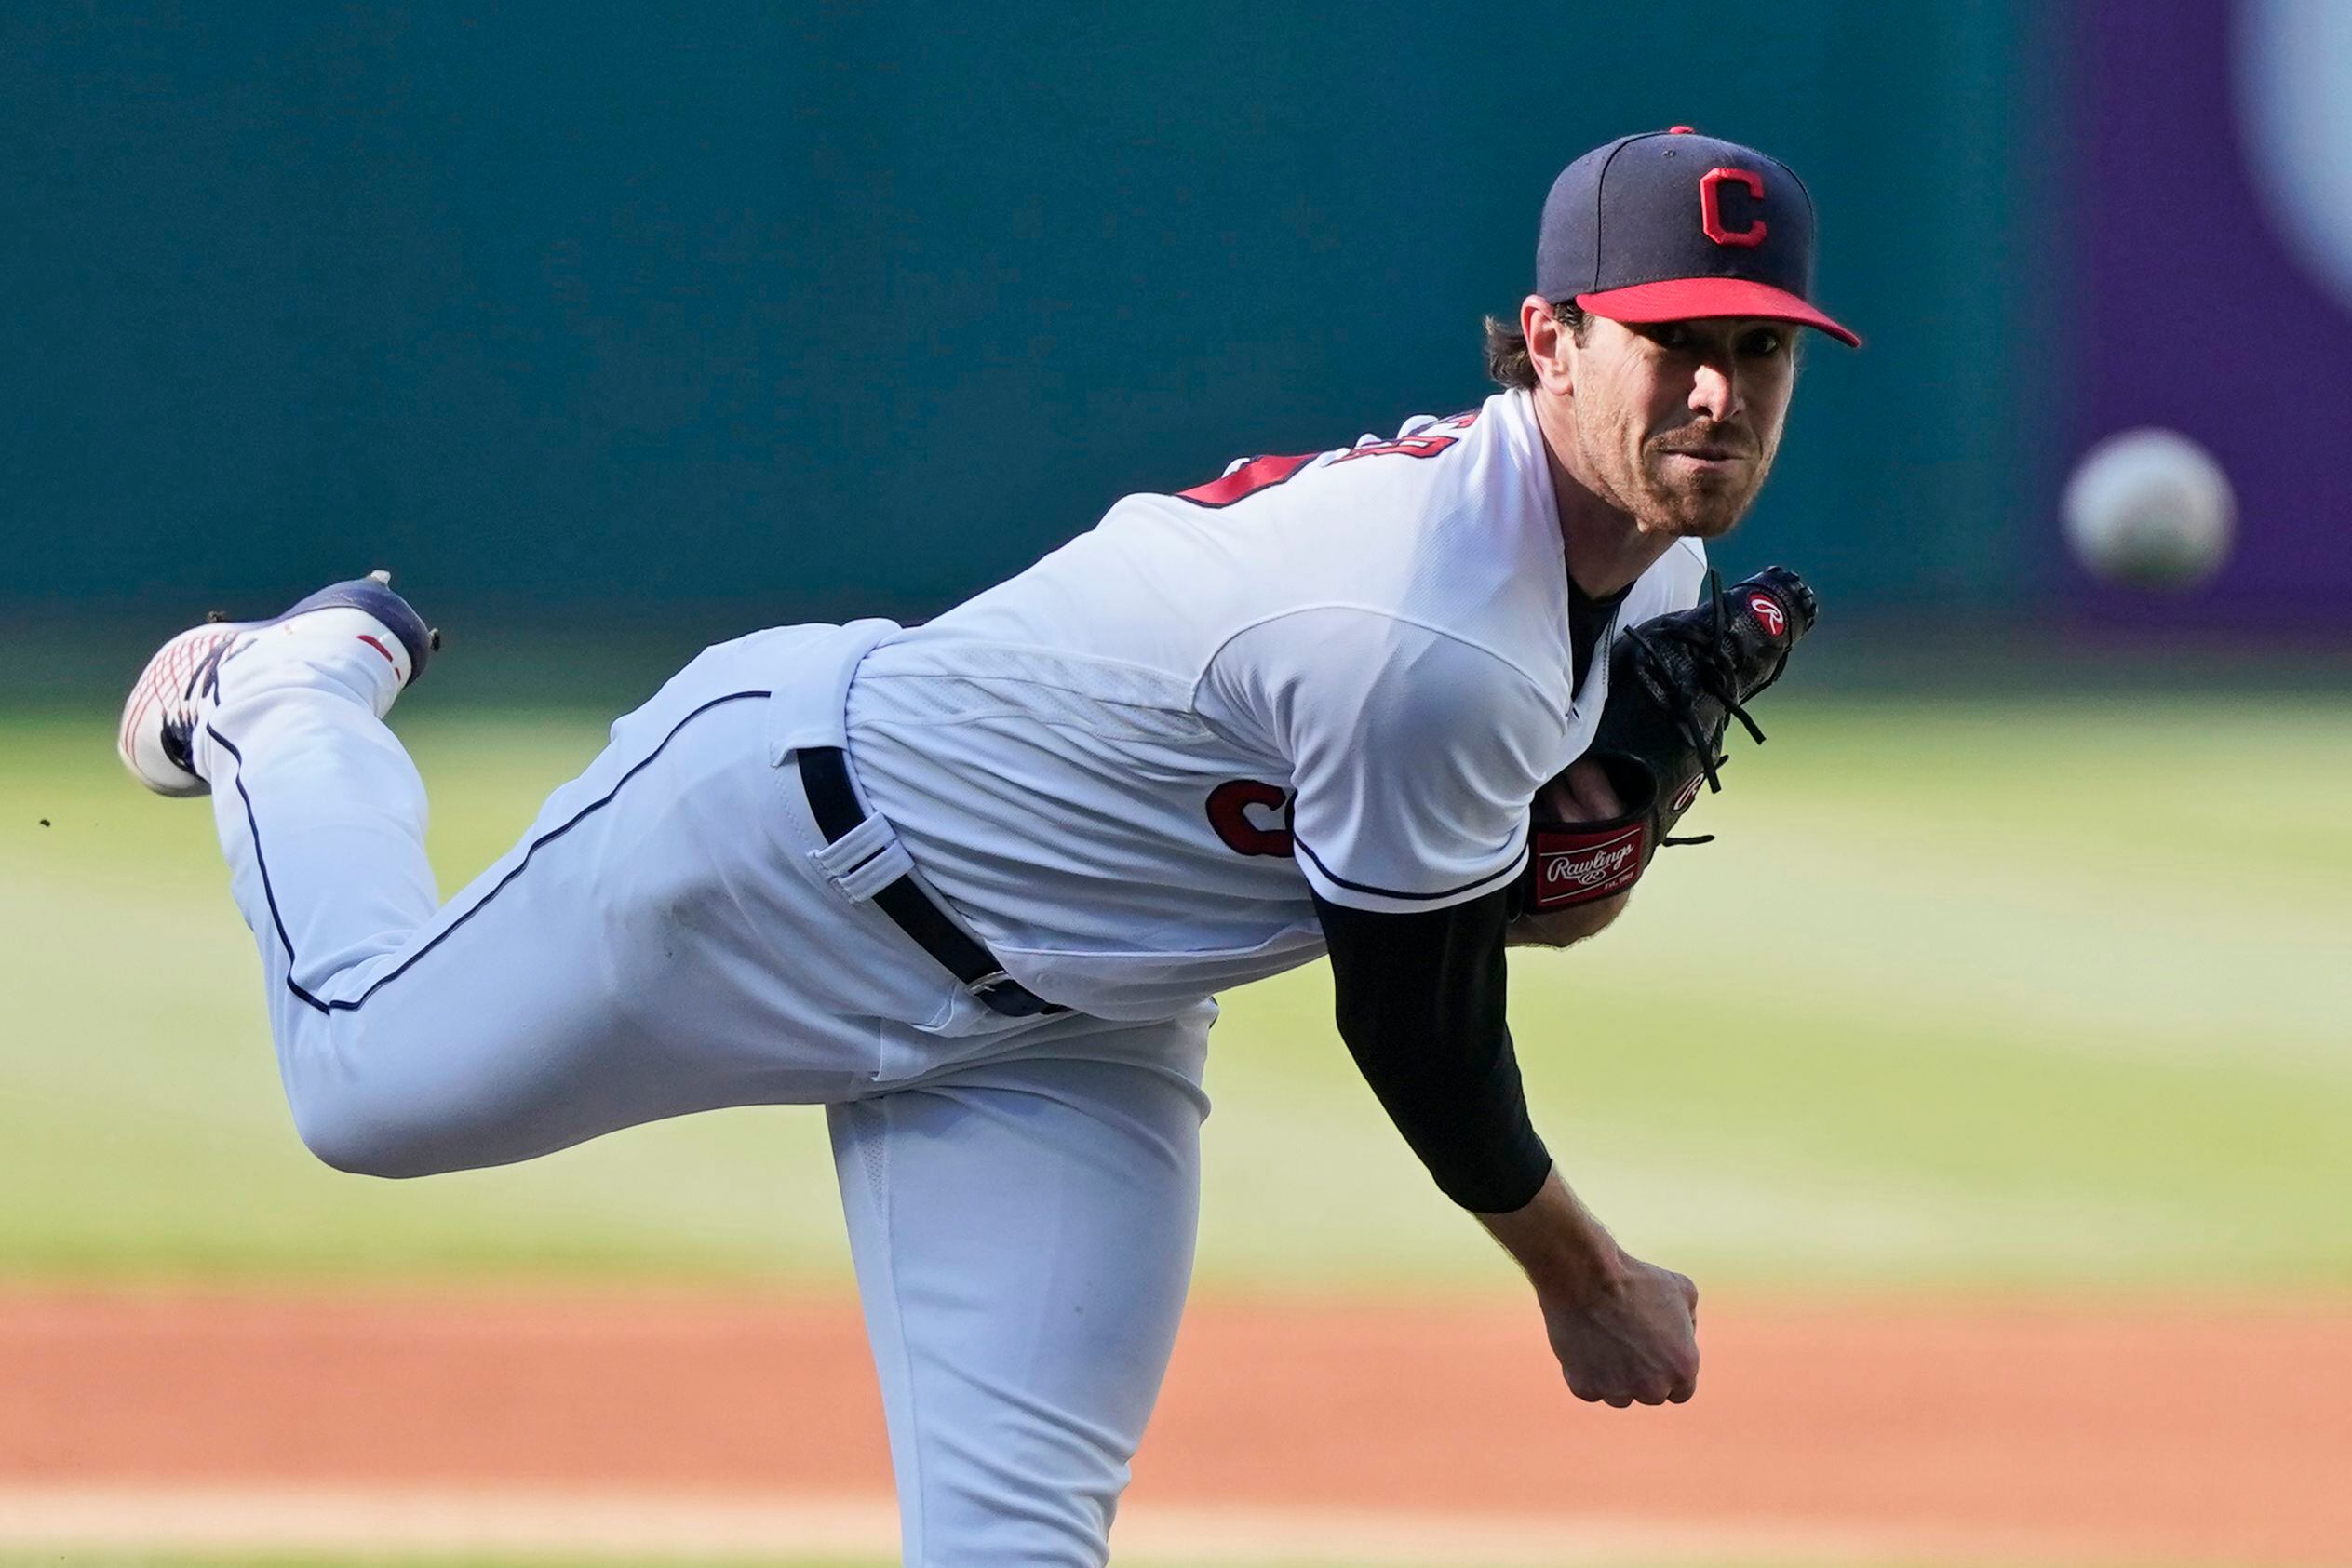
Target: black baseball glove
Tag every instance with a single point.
(1675, 684)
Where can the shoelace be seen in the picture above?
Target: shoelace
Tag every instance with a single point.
(179, 716)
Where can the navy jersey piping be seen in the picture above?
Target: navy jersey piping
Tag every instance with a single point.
(254, 827)
(1307, 849)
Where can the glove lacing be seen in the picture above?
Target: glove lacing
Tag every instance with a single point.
(1711, 667)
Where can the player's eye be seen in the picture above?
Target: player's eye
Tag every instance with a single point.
(1763, 343)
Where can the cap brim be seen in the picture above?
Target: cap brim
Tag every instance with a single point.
(1682, 298)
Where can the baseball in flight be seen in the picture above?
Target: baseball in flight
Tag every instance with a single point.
(2151, 508)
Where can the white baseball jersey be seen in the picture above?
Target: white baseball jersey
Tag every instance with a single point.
(1346, 671)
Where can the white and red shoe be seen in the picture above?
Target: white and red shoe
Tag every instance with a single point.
(180, 686)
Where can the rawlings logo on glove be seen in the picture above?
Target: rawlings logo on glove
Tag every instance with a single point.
(1578, 863)
(1675, 685)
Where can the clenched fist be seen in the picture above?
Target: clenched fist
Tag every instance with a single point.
(1626, 1331)
(1635, 1342)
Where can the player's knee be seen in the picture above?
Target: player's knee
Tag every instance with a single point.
(355, 1150)
(342, 1133)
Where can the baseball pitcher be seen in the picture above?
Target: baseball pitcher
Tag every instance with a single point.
(972, 885)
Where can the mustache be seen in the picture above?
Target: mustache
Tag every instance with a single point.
(1706, 438)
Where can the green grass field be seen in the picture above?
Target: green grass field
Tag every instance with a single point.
(2034, 994)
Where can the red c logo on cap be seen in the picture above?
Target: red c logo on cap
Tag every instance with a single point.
(1711, 205)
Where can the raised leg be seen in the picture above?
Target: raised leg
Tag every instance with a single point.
(652, 947)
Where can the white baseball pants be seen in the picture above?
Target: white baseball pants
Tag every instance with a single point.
(669, 937)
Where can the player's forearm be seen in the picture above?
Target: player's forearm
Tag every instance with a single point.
(1562, 927)
(1569, 1255)
(1469, 1128)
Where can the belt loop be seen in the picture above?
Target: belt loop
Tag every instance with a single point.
(865, 860)
(862, 881)
(860, 844)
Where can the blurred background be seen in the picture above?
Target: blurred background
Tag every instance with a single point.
(1993, 1073)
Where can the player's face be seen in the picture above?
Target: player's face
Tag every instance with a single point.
(1677, 422)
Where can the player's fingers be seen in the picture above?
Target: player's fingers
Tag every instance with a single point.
(1618, 1402)
(1690, 1293)
(1586, 794)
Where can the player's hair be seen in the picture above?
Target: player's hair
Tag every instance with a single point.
(1507, 362)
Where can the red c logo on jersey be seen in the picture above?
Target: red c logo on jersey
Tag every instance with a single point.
(1769, 612)
(1711, 205)
(1228, 807)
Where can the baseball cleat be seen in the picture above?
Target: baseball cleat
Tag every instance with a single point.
(180, 686)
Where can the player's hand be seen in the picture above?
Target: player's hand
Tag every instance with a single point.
(1631, 1341)
(1626, 1331)
(1583, 794)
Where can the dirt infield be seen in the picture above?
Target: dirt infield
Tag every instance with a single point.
(2009, 1433)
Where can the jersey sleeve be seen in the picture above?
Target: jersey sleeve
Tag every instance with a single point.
(1413, 754)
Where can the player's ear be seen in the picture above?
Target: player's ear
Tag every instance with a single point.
(1550, 346)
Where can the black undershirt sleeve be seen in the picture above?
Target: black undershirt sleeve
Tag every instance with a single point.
(1421, 1007)
(1588, 618)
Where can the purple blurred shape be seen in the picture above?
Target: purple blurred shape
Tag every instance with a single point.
(2195, 313)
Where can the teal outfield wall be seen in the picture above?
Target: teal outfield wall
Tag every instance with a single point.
(826, 309)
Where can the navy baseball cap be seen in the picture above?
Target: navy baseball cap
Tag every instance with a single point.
(1670, 224)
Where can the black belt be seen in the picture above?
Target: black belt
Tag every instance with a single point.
(825, 773)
